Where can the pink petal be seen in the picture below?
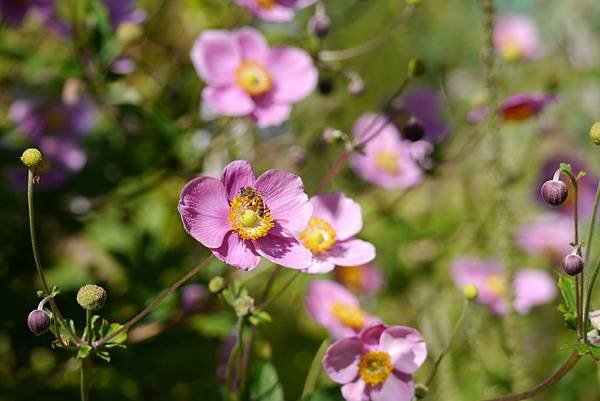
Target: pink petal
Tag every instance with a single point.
(341, 212)
(216, 55)
(228, 100)
(370, 334)
(351, 252)
(532, 287)
(405, 346)
(204, 211)
(320, 266)
(398, 387)
(252, 44)
(272, 114)
(294, 74)
(342, 358)
(236, 175)
(237, 252)
(284, 251)
(283, 193)
(355, 391)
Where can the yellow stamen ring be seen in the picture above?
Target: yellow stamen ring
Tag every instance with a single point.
(375, 367)
(318, 236)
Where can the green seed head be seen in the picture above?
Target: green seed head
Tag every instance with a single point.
(595, 133)
(470, 291)
(91, 297)
(31, 158)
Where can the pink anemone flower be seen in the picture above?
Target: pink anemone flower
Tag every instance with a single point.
(245, 77)
(516, 38)
(386, 160)
(549, 236)
(336, 309)
(365, 279)
(377, 364)
(531, 287)
(241, 218)
(524, 105)
(330, 234)
(274, 10)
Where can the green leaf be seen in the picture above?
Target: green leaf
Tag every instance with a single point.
(327, 394)
(121, 337)
(567, 289)
(264, 384)
(580, 175)
(40, 294)
(566, 167)
(84, 351)
(104, 355)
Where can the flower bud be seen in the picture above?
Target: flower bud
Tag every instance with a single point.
(38, 322)
(573, 264)
(416, 68)
(356, 85)
(91, 297)
(595, 133)
(470, 291)
(216, 284)
(319, 25)
(325, 86)
(554, 192)
(31, 157)
(421, 391)
(243, 306)
(413, 130)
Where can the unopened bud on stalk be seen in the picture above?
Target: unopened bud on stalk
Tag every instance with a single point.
(38, 322)
(470, 291)
(216, 284)
(416, 68)
(31, 157)
(421, 391)
(319, 24)
(554, 192)
(595, 133)
(325, 86)
(573, 264)
(413, 130)
(243, 306)
(91, 297)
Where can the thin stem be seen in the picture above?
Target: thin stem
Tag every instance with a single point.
(588, 300)
(230, 363)
(164, 294)
(552, 379)
(240, 361)
(588, 245)
(282, 290)
(88, 325)
(84, 380)
(315, 368)
(440, 357)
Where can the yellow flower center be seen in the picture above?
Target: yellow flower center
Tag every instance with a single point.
(318, 236)
(253, 78)
(351, 276)
(348, 315)
(250, 217)
(511, 51)
(387, 162)
(266, 4)
(375, 367)
(496, 284)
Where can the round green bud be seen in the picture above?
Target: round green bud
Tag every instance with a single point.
(595, 133)
(216, 284)
(243, 306)
(91, 297)
(31, 158)
(416, 68)
(421, 390)
(470, 291)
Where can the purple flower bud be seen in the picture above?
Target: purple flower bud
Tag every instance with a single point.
(319, 25)
(38, 322)
(356, 86)
(413, 130)
(554, 192)
(191, 297)
(572, 264)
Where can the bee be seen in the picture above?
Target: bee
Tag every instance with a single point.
(255, 200)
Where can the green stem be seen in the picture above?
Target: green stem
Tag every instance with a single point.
(588, 245)
(84, 380)
(315, 368)
(88, 324)
(440, 357)
(282, 290)
(240, 361)
(231, 363)
(590, 290)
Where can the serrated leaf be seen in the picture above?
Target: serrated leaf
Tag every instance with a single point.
(264, 384)
(84, 351)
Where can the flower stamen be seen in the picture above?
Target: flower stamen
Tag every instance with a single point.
(318, 236)
(387, 162)
(253, 78)
(348, 315)
(496, 284)
(249, 216)
(375, 367)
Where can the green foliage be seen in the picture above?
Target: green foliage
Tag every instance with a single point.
(264, 384)
(569, 306)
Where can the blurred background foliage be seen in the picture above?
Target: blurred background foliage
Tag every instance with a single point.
(115, 222)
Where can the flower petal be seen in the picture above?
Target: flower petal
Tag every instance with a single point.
(236, 175)
(271, 114)
(342, 358)
(237, 252)
(283, 250)
(204, 211)
(293, 72)
(320, 266)
(355, 391)
(398, 387)
(215, 56)
(253, 45)
(228, 100)
(351, 252)
(283, 193)
(405, 346)
(344, 214)
(532, 287)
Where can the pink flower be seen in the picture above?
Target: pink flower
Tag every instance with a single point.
(336, 309)
(377, 364)
(241, 218)
(245, 77)
(387, 160)
(516, 38)
(330, 234)
(365, 279)
(548, 236)
(274, 10)
(524, 105)
(531, 287)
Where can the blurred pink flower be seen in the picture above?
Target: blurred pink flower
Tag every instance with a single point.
(274, 10)
(531, 287)
(377, 364)
(330, 234)
(387, 159)
(245, 77)
(516, 38)
(192, 296)
(518, 107)
(336, 309)
(241, 218)
(548, 236)
(365, 279)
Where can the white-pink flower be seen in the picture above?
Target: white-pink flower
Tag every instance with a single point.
(274, 10)
(548, 236)
(245, 77)
(516, 38)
